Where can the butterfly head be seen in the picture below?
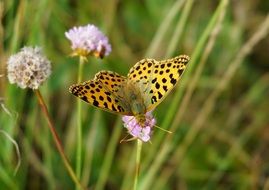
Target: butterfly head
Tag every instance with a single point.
(141, 120)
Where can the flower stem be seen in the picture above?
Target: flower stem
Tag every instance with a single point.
(79, 122)
(137, 162)
(57, 139)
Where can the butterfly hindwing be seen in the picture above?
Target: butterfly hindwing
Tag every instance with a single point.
(99, 95)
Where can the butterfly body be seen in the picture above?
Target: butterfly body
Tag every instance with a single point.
(146, 85)
(138, 107)
(135, 99)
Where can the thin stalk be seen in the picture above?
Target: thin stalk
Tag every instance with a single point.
(109, 156)
(16, 148)
(18, 24)
(79, 122)
(179, 29)
(137, 162)
(163, 28)
(128, 173)
(90, 145)
(57, 139)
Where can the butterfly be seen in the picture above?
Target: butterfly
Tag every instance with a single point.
(146, 85)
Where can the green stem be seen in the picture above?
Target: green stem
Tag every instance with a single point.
(163, 28)
(179, 29)
(79, 122)
(137, 162)
(109, 155)
(57, 139)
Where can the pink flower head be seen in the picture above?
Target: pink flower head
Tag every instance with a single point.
(88, 40)
(136, 130)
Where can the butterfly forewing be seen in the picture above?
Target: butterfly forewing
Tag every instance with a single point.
(141, 75)
(158, 78)
(100, 95)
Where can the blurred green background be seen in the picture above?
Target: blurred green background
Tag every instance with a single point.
(219, 112)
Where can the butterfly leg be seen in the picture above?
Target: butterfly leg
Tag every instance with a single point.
(127, 140)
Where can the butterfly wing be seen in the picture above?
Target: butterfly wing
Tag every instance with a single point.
(156, 79)
(141, 73)
(112, 82)
(101, 92)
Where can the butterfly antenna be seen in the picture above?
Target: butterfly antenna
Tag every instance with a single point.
(163, 129)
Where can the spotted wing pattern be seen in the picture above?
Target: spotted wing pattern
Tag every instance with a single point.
(101, 92)
(156, 79)
(112, 81)
(113, 92)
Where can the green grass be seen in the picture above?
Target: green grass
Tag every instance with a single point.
(218, 112)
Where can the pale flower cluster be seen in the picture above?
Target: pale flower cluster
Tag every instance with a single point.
(28, 68)
(88, 40)
(136, 130)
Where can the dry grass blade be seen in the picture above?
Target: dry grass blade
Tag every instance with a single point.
(16, 148)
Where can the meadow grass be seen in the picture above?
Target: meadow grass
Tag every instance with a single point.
(218, 112)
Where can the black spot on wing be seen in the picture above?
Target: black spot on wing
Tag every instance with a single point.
(93, 97)
(108, 93)
(85, 98)
(108, 99)
(157, 85)
(159, 95)
(173, 81)
(95, 103)
(180, 71)
(105, 105)
(113, 108)
(120, 109)
(153, 99)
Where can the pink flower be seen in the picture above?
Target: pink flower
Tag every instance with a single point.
(88, 40)
(136, 130)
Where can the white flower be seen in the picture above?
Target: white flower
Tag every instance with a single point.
(28, 68)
